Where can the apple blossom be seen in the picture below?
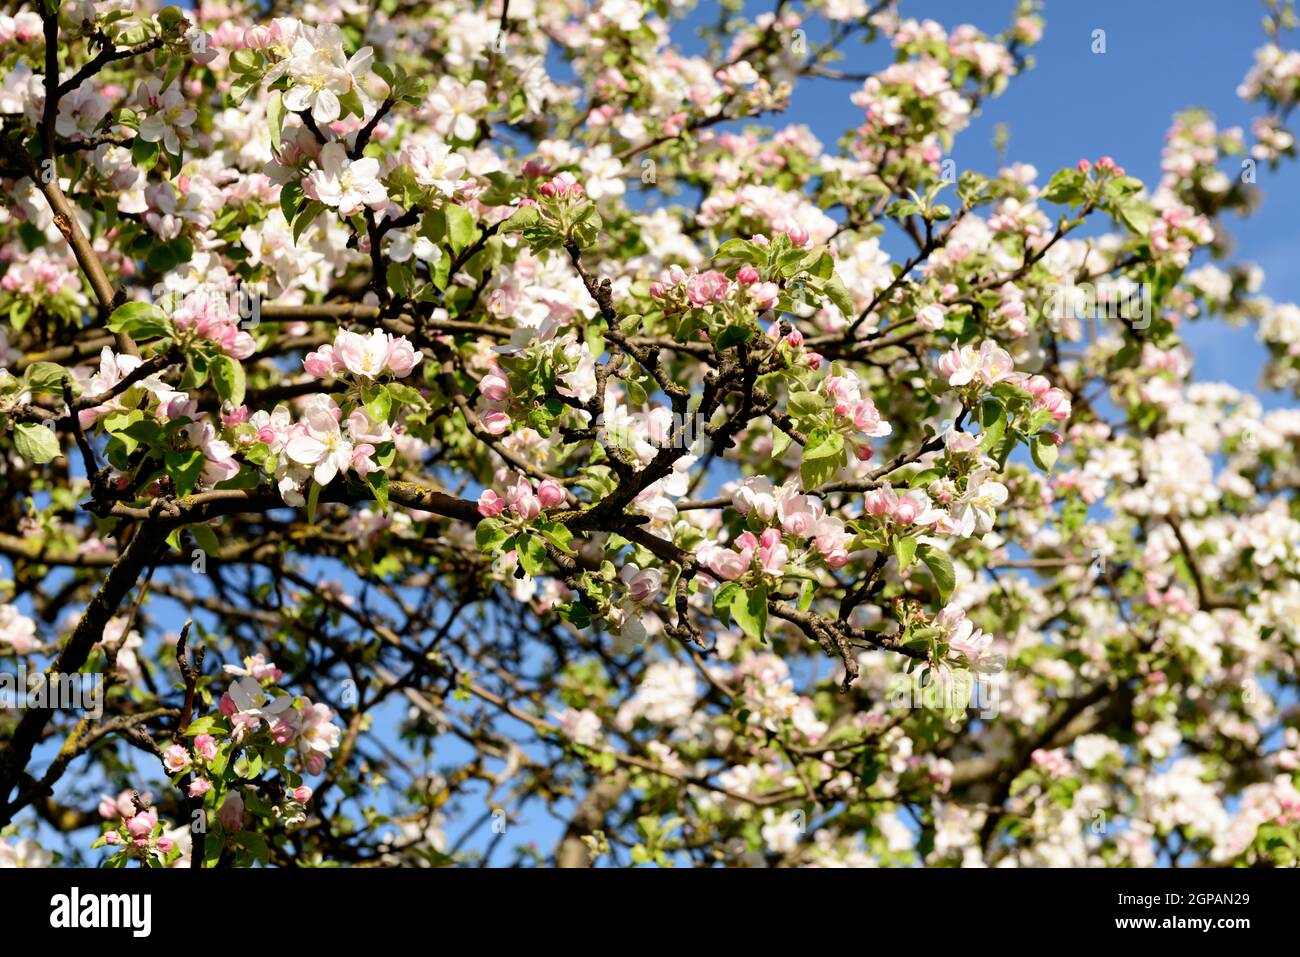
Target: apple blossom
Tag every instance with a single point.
(346, 184)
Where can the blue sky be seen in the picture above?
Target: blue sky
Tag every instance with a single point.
(1161, 57)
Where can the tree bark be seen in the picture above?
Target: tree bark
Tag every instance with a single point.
(590, 816)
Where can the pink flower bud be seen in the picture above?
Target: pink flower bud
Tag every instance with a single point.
(524, 504)
(495, 386)
(496, 422)
(231, 814)
(1037, 386)
(747, 275)
(836, 557)
(490, 504)
(302, 794)
(905, 511)
(765, 294)
(235, 417)
(930, 318)
(402, 357)
(798, 236)
(878, 501)
(550, 494)
(320, 363)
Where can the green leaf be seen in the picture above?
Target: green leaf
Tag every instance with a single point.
(185, 469)
(255, 844)
(313, 496)
(248, 765)
(140, 321)
(558, 535)
(734, 335)
(306, 217)
(228, 379)
(524, 217)
(780, 442)
(806, 593)
(400, 278)
(460, 227)
(532, 554)
(205, 725)
(378, 482)
(290, 195)
(490, 535)
(378, 400)
(243, 60)
(144, 154)
(213, 845)
(804, 404)
(722, 598)
(958, 698)
(205, 538)
(905, 551)
(275, 118)
(820, 264)
(749, 610)
(45, 378)
(838, 294)
(36, 443)
(576, 614)
(737, 249)
(504, 188)
(406, 395)
(1044, 451)
(994, 423)
(1066, 186)
(940, 565)
(823, 454)
(1137, 214)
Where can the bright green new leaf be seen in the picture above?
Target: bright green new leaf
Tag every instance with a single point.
(140, 321)
(1044, 451)
(940, 565)
(36, 443)
(823, 454)
(228, 379)
(749, 611)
